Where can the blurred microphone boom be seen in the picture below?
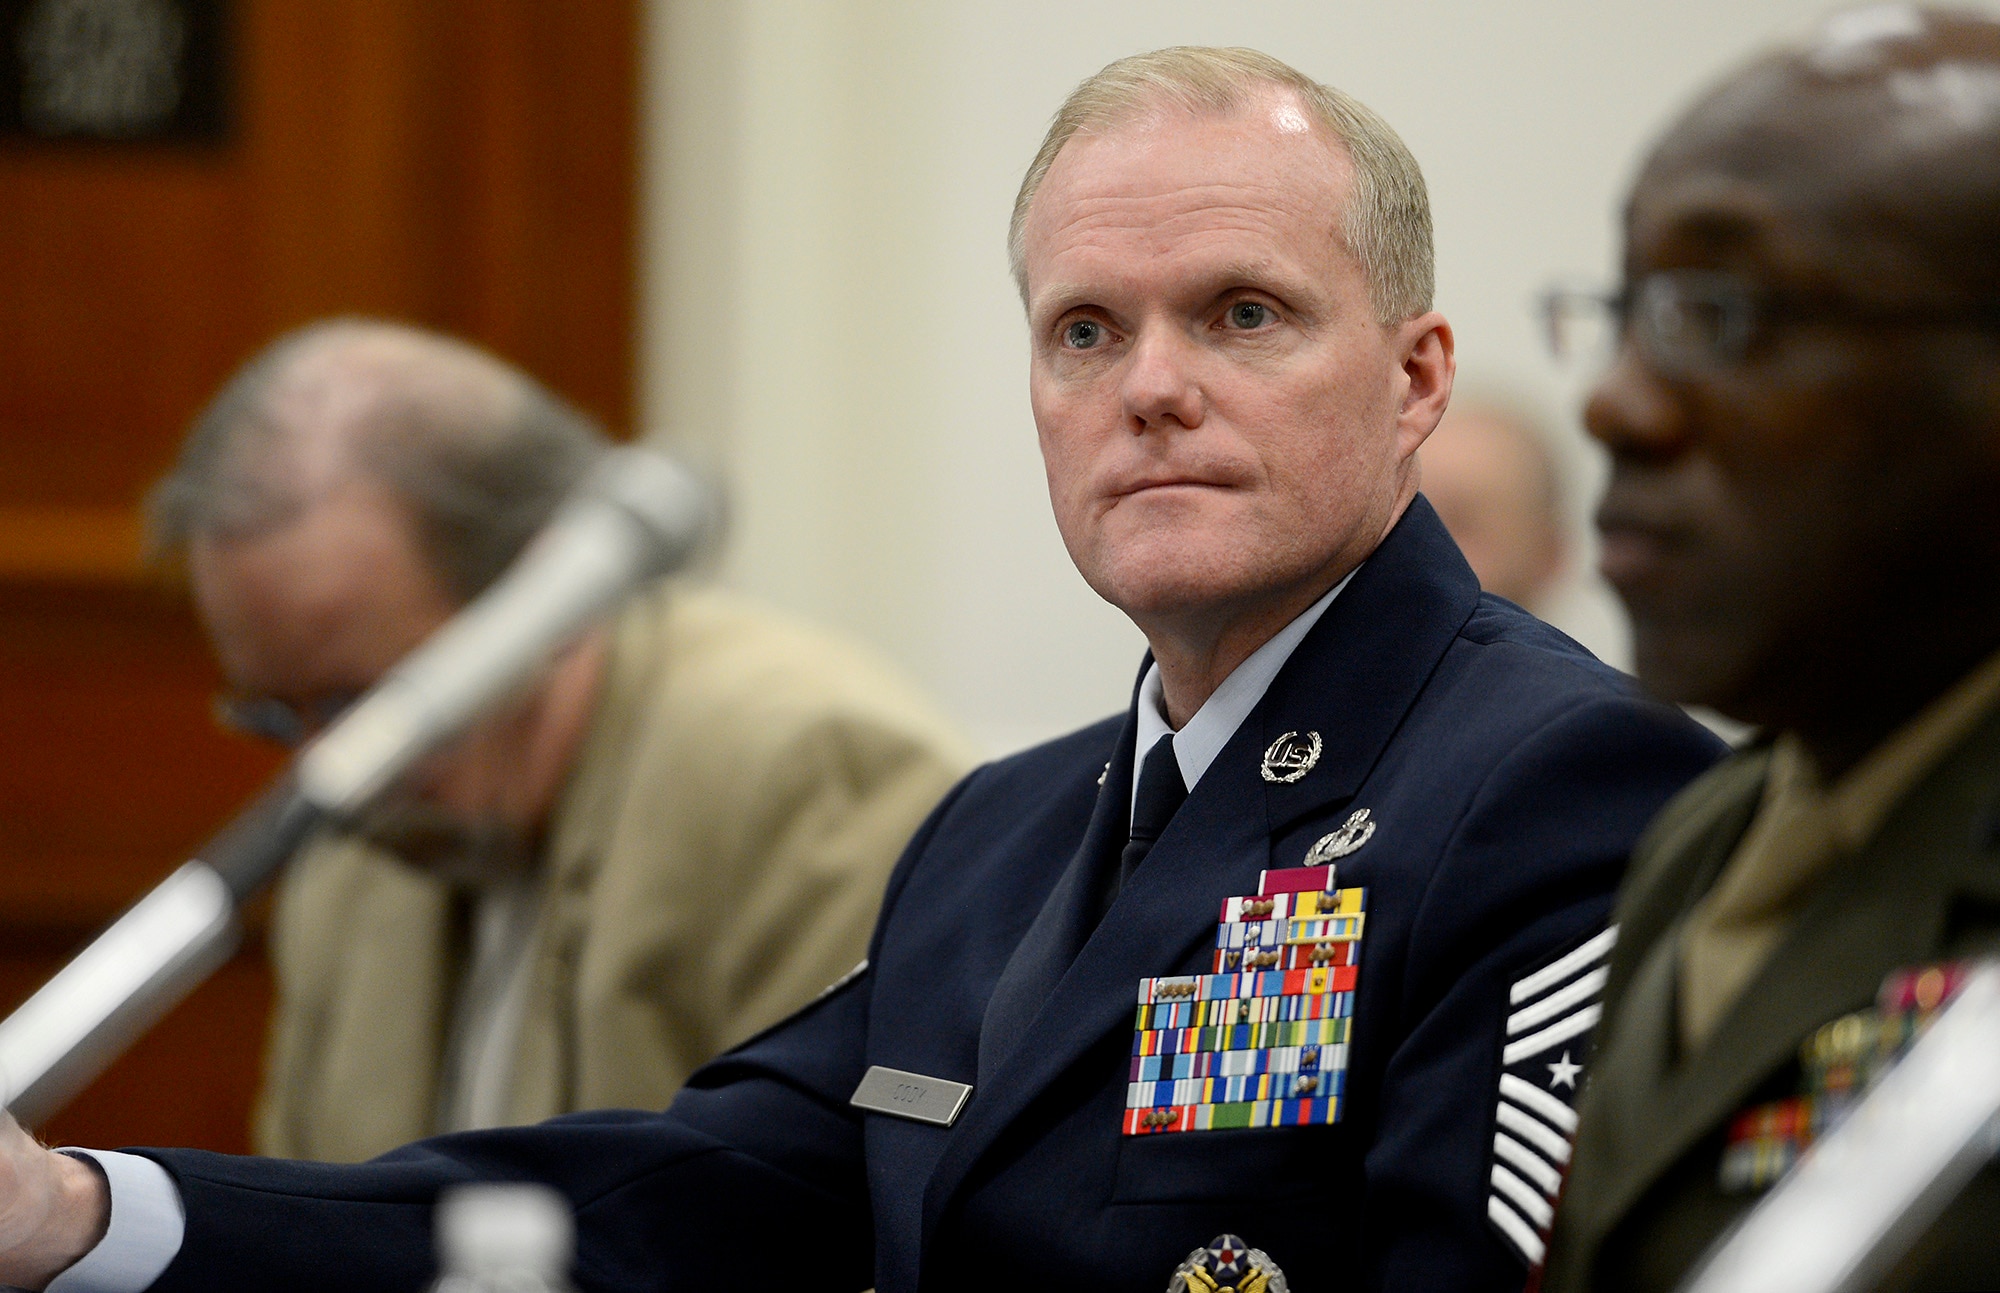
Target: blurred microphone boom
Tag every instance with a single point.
(637, 516)
(634, 516)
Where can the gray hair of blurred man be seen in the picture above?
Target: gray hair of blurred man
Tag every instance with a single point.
(1387, 224)
(480, 452)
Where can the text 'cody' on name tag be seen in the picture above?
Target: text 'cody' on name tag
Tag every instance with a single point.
(911, 1095)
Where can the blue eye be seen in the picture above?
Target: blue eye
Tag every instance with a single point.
(1249, 314)
(1083, 334)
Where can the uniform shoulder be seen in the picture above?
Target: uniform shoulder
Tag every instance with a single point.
(1507, 675)
(1514, 693)
(1070, 765)
(1087, 748)
(1517, 636)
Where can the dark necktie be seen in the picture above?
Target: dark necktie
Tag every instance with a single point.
(1160, 794)
(1059, 933)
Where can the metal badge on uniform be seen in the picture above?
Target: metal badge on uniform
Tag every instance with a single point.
(1262, 1040)
(899, 1094)
(1553, 1010)
(1291, 756)
(1838, 1064)
(1228, 1265)
(1351, 835)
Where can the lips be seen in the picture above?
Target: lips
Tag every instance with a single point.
(1181, 478)
(1637, 539)
(1177, 483)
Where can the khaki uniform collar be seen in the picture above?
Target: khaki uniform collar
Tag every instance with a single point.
(1802, 827)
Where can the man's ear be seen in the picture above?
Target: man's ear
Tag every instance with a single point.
(1428, 354)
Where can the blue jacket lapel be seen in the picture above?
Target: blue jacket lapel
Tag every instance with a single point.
(1062, 927)
(1361, 668)
(1352, 679)
(1213, 847)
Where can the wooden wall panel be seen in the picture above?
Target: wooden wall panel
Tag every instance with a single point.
(466, 164)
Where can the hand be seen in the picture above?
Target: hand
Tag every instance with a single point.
(53, 1208)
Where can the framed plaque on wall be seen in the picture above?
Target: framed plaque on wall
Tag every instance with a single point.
(115, 70)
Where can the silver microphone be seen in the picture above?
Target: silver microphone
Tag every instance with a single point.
(635, 516)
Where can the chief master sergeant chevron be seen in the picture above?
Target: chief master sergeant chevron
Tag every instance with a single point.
(1227, 273)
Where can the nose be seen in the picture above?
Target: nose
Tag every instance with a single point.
(1633, 412)
(1160, 389)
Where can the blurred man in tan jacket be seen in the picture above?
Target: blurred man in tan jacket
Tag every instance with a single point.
(673, 840)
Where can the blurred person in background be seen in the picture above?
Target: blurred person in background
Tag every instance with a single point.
(1490, 471)
(675, 839)
(1804, 425)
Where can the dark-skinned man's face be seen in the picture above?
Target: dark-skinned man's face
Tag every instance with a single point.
(1768, 510)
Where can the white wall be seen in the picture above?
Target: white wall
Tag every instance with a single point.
(829, 321)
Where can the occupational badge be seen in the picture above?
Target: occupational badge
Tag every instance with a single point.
(1838, 1064)
(1552, 1012)
(1352, 834)
(1228, 1265)
(1291, 756)
(1261, 1041)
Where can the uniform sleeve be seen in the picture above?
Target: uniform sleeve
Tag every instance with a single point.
(761, 1143)
(1528, 879)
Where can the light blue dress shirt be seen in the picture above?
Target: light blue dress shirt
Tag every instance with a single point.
(147, 1223)
(1197, 743)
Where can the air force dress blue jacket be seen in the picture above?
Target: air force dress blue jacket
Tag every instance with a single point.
(1505, 774)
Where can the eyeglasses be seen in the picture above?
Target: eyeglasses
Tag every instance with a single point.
(1691, 321)
(277, 721)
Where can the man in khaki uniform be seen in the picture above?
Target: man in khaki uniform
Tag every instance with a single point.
(1804, 423)
(675, 839)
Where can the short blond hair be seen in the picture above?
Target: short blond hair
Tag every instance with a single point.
(1387, 224)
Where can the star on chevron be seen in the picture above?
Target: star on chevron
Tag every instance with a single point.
(1563, 1073)
(1226, 1255)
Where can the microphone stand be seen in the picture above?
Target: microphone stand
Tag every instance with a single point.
(636, 515)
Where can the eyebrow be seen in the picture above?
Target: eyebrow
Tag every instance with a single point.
(1059, 298)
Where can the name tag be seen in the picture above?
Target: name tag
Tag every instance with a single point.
(911, 1095)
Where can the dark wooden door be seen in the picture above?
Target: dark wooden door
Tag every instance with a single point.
(468, 164)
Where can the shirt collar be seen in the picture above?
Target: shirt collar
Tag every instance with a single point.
(1197, 743)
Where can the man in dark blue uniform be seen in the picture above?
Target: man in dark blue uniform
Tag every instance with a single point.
(1350, 853)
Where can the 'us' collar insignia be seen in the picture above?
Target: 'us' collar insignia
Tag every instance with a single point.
(1291, 756)
(1353, 833)
(1228, 1265)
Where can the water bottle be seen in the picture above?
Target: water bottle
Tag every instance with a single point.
(512, 1238)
